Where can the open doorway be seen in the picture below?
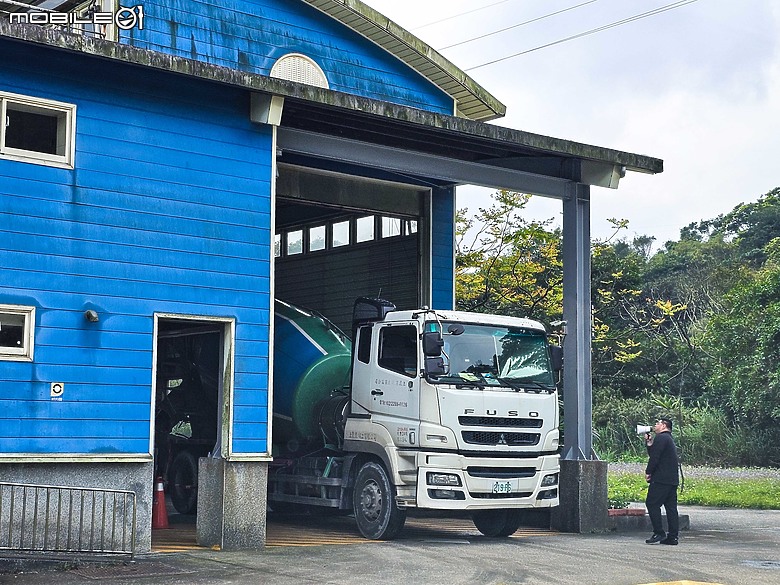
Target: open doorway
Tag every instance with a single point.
(190, 389)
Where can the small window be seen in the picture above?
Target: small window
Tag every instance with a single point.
(365, 228)
(340, 234)
(364, 345)
(317, 238)
(37, 130)
(295, 242)
(411, 227)
(16, 332)
(391, 226)
(398, 349)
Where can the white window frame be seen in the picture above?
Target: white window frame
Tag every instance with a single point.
(66, 129)
(24, 353)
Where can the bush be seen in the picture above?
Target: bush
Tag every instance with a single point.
(704, 434)
(754, 447)
(615, 419)
(703, 439)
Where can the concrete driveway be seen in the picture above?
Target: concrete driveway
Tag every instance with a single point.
(726, 546)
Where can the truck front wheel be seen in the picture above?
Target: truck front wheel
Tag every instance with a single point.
(497, 522)
(376, 514)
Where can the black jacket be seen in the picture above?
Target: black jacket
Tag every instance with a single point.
(662, 466)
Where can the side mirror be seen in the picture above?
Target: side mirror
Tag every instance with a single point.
(556, 357)
(432, 344)
(434, 366)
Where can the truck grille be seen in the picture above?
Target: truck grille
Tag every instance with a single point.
(493, 421)
(501, 472)
(491, 496)
(498, 438)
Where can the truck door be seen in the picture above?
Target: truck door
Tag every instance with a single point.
(394, 384)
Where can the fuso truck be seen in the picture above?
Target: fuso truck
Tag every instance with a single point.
(424, 409)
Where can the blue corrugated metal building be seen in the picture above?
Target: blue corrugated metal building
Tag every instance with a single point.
(166, 174)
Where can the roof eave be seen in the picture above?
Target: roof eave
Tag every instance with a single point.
(471, 99)
(396, 113)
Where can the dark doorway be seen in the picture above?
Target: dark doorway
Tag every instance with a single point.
(188, 399)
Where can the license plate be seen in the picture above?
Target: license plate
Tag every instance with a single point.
(502, 487)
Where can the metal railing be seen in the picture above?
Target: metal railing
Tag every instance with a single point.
(44, 518)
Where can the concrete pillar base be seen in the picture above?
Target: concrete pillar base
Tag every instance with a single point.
(232, 504)
(583, 497)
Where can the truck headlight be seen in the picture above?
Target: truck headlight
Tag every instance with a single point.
(551, 479)
(449, 479)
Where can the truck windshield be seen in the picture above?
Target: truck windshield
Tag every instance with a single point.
(484, 355)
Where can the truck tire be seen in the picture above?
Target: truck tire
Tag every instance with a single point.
(497, 522)
(183, 482)
(514, 517)
(377, 516)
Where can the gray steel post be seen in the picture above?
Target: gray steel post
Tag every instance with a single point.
(577, 382)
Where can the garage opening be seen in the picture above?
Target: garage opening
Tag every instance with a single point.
(189, 395)
(339, 237)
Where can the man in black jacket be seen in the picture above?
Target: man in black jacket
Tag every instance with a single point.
(662, 475)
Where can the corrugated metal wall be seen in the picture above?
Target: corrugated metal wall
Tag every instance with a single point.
(330, 281)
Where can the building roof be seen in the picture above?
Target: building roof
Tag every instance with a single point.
(385, 124)
(472, 100)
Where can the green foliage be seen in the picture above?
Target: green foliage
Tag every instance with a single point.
(692, 331)
(705, 438)
(507, 265)
(744, 343)
(762, 494)
(622, 489)
(730, 492)
(625, 488)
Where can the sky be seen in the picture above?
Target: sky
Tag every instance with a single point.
(697, 86)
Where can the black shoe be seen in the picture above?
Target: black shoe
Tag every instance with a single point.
(656, 538)
(670, 540)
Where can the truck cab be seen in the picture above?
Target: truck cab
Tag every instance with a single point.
(459, 410)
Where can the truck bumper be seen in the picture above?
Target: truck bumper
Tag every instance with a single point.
(455, 482)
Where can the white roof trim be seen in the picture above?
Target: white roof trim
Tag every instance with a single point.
(472, 101)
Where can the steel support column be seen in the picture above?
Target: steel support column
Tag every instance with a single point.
(577, 382)
(583, 479)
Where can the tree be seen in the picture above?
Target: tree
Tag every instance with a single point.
(753, 226)
(743, 341)
(506, 264)
(616, 282)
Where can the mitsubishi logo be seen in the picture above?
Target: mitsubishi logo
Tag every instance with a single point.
(502, 440)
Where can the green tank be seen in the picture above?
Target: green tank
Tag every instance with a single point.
(312, 360)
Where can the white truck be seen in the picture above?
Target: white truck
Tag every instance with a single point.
(428, 409)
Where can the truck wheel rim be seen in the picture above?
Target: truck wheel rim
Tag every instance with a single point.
(371, 500)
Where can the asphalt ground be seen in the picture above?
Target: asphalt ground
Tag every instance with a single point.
(725, 546)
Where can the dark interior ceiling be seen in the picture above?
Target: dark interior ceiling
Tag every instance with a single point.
(355, 125)
(290, 213)
(499, 149)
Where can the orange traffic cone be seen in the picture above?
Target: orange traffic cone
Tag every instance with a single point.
(159, 513)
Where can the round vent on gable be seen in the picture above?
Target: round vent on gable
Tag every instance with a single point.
(299, 68)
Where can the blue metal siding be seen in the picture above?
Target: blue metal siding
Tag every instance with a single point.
(251, 35)
(443, 248)
(167, 210)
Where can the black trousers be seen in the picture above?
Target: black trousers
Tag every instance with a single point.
(661, 494)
